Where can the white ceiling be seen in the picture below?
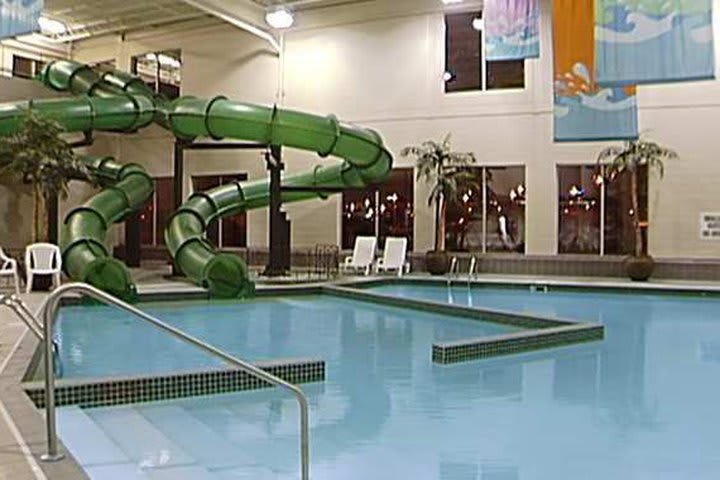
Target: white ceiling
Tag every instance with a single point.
(86, 18)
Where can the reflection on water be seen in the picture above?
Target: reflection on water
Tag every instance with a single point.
(621, 408)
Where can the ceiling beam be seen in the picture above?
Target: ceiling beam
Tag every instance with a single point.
(241, 14)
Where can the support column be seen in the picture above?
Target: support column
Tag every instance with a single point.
(133, 253)
(53, 216)
(279, 262)
(178, 178)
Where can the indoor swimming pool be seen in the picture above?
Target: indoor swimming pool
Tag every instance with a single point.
(638, 405)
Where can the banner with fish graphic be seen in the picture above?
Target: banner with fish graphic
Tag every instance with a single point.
(19, 17)
(583, 110)
(652, 41)
(512, 29)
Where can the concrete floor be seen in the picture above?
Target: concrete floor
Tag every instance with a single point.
(22, 430)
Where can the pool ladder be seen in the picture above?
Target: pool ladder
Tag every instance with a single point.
(454, 271)
(49, 309)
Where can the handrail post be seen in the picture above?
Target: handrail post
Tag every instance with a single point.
(49, 314)
(52, 454)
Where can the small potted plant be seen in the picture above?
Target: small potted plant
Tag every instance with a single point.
(445, 171)
(630, 157)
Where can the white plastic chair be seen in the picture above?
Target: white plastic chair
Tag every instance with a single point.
(8, 267)
(394, 256)
(42, 259)
(363, 255)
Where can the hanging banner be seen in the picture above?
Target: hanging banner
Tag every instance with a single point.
(19, 17)
(645, 41)
(583, 110)
(511, 29)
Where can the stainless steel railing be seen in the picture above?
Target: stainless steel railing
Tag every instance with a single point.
(14, 303)
(49, 315)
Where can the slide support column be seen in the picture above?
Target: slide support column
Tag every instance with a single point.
(279, 262)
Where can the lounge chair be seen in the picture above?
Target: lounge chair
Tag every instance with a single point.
(394, 256)
(363, 256)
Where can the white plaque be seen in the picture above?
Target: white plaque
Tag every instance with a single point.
(710, 226)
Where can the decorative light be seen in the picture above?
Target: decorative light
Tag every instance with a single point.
(478, 23)
(53, 27)
(280, 17)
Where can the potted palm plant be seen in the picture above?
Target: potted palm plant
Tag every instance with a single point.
(445, 171)
(632, 156)
(38, 155)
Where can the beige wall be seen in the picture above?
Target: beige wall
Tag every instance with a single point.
(386, 73)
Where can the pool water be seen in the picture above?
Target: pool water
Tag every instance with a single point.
(640, 405)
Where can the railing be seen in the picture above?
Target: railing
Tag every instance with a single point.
(49, 314)
(453, 269)
(14, 303)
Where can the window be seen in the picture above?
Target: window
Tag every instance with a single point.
(161, 71)
(490, 214)
(26, 67)
(157, 212)
(383, 211)
(230, 231)
(465, 65)
(596, 217)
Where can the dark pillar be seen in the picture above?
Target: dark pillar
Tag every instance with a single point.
(279, 263)
(178, 175)
(52, 220)
(133, 252)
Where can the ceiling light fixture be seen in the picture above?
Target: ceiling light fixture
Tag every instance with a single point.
(279, 17)
(450, 2)
(53, 27)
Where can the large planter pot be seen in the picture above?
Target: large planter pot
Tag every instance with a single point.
(639, 269)
(437, 263)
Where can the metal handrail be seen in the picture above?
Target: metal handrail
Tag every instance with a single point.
(16, 305)
(453, 269)
(472, 271)
(49, 314)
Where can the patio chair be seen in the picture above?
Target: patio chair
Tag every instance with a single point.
(8, 267)
(42, 259)
(363, 256)
(394, 256)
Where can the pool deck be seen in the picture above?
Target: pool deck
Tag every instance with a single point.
(22, 430)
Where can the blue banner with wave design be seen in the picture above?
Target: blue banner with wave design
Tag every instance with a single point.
(512, 29)
(654, 41)
(584, 111)
(19, 17)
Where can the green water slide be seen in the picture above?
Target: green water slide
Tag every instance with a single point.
(119, 102)
(364, 161)
(125, 187)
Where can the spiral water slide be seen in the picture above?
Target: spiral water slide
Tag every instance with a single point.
(117, 101)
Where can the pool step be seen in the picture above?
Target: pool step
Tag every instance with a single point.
(86, 440)
(139, 439)
(207, 446)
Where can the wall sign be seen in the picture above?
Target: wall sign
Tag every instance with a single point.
(710, 226)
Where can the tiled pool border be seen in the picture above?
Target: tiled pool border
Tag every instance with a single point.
(136, 389)
(541, 332)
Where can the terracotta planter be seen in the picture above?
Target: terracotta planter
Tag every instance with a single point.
(639, 269)
(437, 263)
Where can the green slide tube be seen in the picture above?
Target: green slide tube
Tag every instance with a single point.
(365, 161)
(126, 187)
(117, 101)
(85, 256)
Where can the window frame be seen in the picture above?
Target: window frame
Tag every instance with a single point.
(484, 69)
(603, 188)
(485, 207)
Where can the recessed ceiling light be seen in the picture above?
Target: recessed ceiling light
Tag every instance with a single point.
(53, 27)
(279, 17)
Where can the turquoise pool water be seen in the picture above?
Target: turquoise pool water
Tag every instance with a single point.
(640, 405)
